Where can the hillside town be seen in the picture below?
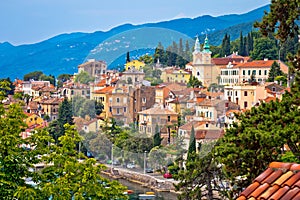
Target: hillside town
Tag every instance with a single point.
(230, 85)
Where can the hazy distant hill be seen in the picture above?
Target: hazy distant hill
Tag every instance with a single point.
(63, 53)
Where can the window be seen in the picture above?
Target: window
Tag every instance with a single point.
(245, 104)
(72, 92)
(235, 93)
(206, 125)
(266, 72)
(124, 109)
(254, 72)
(273, 89)
(118, 110)
(169, 118)
(249, 72)
(110, 109)
(245, 93)
(144, 99)
(259, 72)
(118, 100)
(244, 72)
(82, 92)
(198, 73)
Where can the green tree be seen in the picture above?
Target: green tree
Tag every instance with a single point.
(248, 147)
(65, 115)
(274, 72)
(281, 19)
(188, 53)
(264, 47)
(241, 45)
(147, 59)
(49, 78)
(192, 145)
(83, 77)
(33, 75)
(63, 78)
(194, 82)
(226, 45)
(98, 107)
(159, 54)
(6, 87)
(66, 176)
(180, 59)
(202, 180)
(156, 138)
(127, 57)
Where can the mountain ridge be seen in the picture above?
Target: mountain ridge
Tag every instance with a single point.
(64, 52)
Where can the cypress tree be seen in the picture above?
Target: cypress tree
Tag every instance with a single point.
(159, 54)
(241, 45)
(127, 57)
(274, 72)
(192, 145)
(187, 51)
(156, 138)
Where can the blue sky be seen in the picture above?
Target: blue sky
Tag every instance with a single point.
(30, 21)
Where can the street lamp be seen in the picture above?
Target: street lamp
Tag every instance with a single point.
(145, 162)
(112, 157)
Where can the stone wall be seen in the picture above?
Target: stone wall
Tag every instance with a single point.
(145, 180)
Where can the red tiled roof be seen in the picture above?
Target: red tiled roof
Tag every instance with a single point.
(225, 61)
(269, 99)
(105, 90)
(278, 181)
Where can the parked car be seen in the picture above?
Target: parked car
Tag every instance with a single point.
(130, 165)
(149, 170)
(167, 175)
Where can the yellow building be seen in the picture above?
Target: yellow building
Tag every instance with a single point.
(33, 119)
(174, 75)
(103, 96)
(134, 64)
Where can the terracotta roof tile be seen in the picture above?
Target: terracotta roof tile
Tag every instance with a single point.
(264, 175)
(292, 180)
(270, 179)
(280, 165)
(297, 184)
(259, 190)
(295, 167)
(241, 198)
(279, 181)
(296, 197)
(279, 193)
(250, 189)
(283, 178)
(269, 192)
(291, 193)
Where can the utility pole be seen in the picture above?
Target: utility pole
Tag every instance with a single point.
(145, 162)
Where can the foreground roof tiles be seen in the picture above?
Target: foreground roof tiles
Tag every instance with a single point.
(278, 181)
